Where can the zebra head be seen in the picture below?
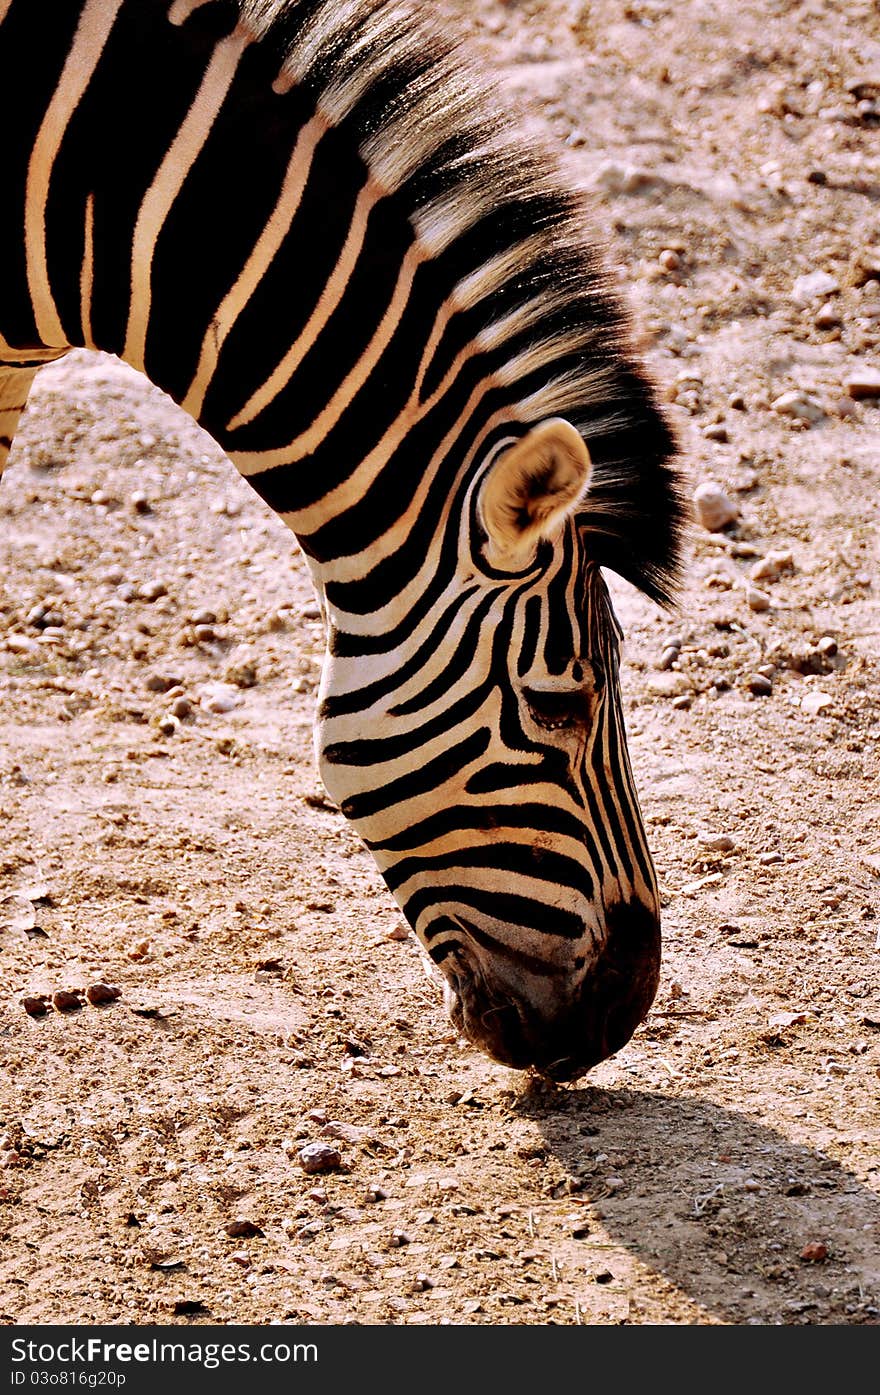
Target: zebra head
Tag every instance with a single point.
(475, 738)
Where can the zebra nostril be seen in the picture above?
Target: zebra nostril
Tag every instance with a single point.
(456, 968)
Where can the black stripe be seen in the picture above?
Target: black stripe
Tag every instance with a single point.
(425, 780)
(529, 962)
(462, 658)
(541, 864)
(380, 750)
(360, 699)
(499, 906)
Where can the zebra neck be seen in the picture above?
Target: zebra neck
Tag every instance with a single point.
(220, 232)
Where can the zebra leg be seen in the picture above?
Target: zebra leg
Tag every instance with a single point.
(15, 384)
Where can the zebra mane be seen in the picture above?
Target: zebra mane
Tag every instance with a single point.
(434, 137)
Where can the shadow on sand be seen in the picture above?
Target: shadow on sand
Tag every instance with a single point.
(720, 1205)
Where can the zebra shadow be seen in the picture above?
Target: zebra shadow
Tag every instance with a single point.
(748, 1225)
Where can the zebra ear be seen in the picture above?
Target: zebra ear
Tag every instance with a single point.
(531, 489)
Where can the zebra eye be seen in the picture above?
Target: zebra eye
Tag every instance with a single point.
(555, 711)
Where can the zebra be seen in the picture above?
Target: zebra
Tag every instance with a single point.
(310, 223)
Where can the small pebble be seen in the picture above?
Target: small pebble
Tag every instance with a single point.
(683, 703)
(348, 1133)
(772, 566)
(139, 502)
(168, 724)
(827, 645)
(152, 590)
(138, 951)
(815, 1252)
(219, 697)
(756, 599)
(719, 843)
(181, 707)
(814, 286)
(102, 993)
(862, 382)
(242, 1228)
(318, 1157)
(827, 318)
(398, 1239)
(668, 657)
(759, 685)
(375, 1194)
(66, 1001)
(318, 1116)
(669, 259)
(815, 702)
(21, 644)
(203, 617)
(770, 859)
(161, 682)
(746, 482)
(616, 178)
(869, 264)
(798, 405)
(714, 509)
(36, 1006)
(716, 431)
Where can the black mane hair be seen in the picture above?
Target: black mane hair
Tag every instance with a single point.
(480, 195)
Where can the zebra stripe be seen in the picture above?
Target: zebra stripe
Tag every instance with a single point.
(96, 21)
(168, 183)
(319, 237)
(267, 245)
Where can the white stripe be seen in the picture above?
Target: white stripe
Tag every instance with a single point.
(87, 274)
(168, 182)
(96, 21)
(257, 264)
(329, 299)
(182, 9)
(357, 565)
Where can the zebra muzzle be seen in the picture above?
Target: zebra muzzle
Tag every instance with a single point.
(564, 1031)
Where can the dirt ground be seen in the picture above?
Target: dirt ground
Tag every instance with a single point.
(724, 1168)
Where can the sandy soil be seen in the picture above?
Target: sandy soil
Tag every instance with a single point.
(724, 1167)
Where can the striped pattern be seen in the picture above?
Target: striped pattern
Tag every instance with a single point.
(304, 221)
